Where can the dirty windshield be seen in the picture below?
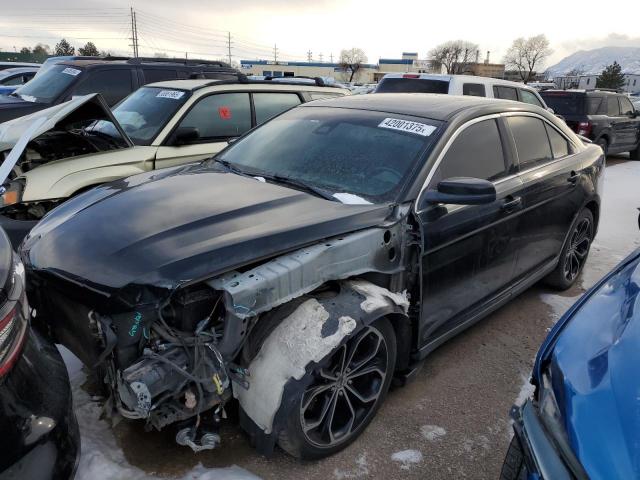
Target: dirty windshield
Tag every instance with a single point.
(367, 154)
(48, 86)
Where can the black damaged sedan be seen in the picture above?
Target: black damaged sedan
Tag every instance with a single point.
(39, 438)
(312, 262)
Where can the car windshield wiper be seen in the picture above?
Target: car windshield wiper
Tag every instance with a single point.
(232, 168)
(301, 185)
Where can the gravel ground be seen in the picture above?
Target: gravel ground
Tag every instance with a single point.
(451, 422)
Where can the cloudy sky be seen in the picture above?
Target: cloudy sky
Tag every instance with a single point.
(382, 29)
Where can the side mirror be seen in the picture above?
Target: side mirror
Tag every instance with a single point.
(461, 191)
(185, 136)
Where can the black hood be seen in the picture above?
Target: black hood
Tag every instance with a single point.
(171, 226)
(13, 107)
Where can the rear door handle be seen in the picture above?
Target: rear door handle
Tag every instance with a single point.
(573, 178)
(511, 203)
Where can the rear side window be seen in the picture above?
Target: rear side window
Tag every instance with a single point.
(220, 116)
(565, 103)
(17, 80)
(476, 152)
(593, 105)
(159, 75)
(625, 106)
(474, 89)
(532, 143)
(529, 97)
(113, 85)
(506, 93)
(412, 85)
(613, 108)
(269, 105)
(559, 145)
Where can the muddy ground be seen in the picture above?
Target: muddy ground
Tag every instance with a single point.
(452, 421)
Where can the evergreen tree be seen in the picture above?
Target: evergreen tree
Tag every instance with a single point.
(89, 50)
(64, 48)
(25, 50)
(611, 77)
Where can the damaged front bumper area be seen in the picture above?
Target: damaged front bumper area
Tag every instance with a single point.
(177, 356)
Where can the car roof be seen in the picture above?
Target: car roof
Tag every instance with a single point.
(197, 84)
(581, 90)
(428, 105)
(146, 62)
(465, 78)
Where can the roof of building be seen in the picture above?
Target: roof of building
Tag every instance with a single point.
(427, 105)
(273, 64)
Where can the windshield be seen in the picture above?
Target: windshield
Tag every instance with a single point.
(145, 112)
(48, 86)
(412, 85)
(565, 103)
(367, 155)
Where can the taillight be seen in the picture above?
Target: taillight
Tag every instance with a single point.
(410, 75)
(584, 128)
(13, 321)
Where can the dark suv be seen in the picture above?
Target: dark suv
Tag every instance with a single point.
(113, 77)
(607, 118)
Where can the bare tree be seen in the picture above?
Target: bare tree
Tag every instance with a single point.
(25, 50)
(526, 55)
(351, 61)
(454, 55)
(41, 49)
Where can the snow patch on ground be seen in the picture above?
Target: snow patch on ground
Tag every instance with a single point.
(297, 341)
(351, 199)
(102, 457)
(526, 391)
(407, 458)
(361, 469)
(432, 432)
(558, 303)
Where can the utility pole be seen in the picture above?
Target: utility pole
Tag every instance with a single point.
(332, 58)
(309, 56)
(275, 53)
(229, 46)
(321, 57)
(134, 33)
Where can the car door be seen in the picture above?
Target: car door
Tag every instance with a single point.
(616, 122)
(550, 174)
(218, 118)
(628, 124)
(468, 256)
(221, 117)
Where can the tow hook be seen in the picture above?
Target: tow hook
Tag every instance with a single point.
(187, 438)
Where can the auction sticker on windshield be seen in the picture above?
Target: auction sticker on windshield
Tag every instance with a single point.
(71, 71)
(407, 126)
(173, 94)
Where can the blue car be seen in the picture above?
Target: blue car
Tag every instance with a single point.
(584, 418)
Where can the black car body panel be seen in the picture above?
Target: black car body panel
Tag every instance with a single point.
(134, 259)
(40, 438)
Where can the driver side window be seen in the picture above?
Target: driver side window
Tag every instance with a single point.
(220, 116)
(476, 152)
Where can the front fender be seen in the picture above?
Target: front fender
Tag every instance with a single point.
(304, 338)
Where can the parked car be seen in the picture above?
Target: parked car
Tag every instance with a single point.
(12, 78)
(582, 421)
(607, 118)
(113, 77)
(313, 260)
(82, 144)
(5, 65)
(40, 437)
(459, 85)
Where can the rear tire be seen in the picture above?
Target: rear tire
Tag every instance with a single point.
(574, 253)
(514, 467)
(339, 400)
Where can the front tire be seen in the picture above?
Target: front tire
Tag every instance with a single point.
(342, 395)
(574, 253)
(602, 143)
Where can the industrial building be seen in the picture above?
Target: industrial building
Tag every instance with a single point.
(588, 82)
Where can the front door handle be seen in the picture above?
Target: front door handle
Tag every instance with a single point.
(573, 178)
(511, 203)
